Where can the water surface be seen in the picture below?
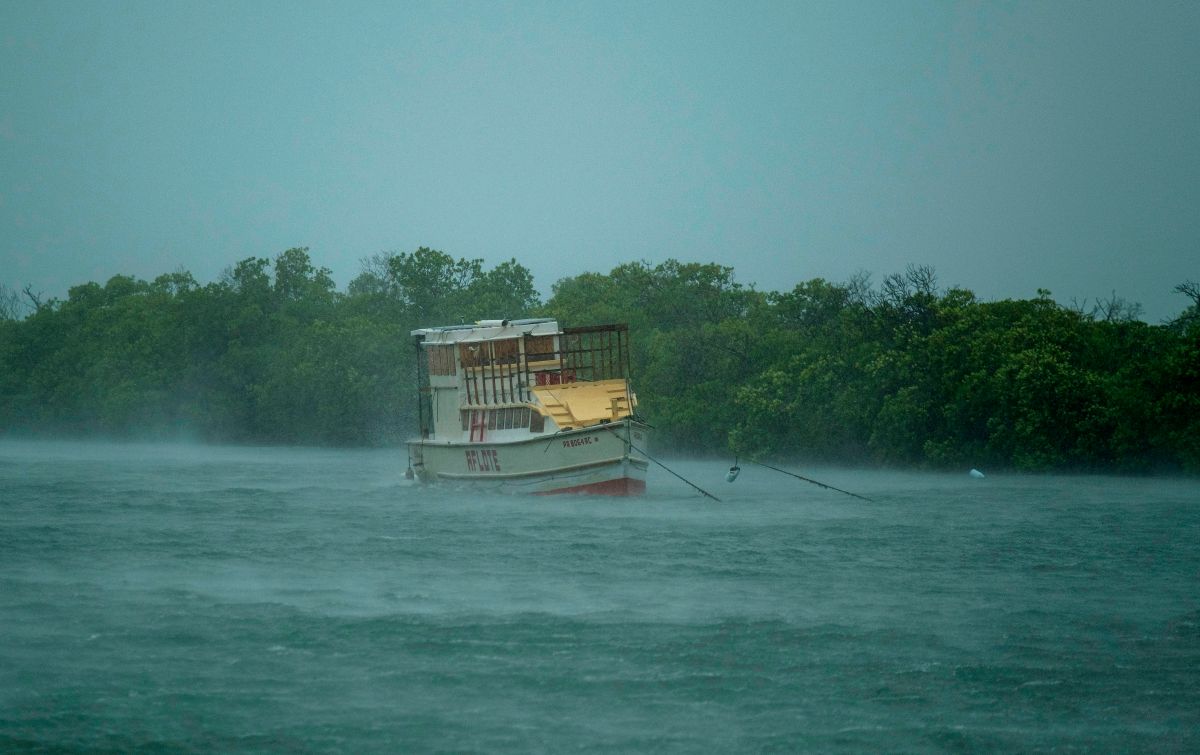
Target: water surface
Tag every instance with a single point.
(191, 599)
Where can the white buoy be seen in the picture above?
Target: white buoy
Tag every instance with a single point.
(976, 474)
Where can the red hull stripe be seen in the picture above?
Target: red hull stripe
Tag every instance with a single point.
(620, 486)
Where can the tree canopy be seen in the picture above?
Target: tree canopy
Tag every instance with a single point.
(902, 372)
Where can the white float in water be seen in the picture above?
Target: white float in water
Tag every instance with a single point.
(976, 474)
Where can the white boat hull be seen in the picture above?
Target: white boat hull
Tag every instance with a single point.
(600, 460)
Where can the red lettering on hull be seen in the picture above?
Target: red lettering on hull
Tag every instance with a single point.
(483, 460)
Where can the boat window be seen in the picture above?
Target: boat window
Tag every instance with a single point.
(469, 354)
(539, 348)
(509, 418)
(441, 359)
(505, 351)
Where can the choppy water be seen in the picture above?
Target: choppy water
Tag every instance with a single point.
(197, 599)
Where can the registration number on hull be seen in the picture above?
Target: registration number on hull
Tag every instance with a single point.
(482, 460)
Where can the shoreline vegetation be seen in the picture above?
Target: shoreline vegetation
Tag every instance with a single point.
(895, 373)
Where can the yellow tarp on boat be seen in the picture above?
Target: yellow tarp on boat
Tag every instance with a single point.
(583, 404)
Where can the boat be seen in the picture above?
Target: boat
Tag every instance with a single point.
(524, 406)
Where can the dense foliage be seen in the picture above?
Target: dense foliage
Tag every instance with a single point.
(902, 373)
(269, 353)
(899, 373)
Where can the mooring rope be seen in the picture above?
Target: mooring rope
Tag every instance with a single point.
(664, 466)
(643, 452)
(814, 482)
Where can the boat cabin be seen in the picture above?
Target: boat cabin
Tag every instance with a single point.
(502, 380)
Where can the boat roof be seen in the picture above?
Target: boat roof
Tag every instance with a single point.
(487, 330)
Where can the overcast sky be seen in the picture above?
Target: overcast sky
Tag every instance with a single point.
(1010, 146)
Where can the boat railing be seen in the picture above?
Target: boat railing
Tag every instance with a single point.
(502, 372)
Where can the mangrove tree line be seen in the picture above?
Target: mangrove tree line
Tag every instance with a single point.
(899, 372)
